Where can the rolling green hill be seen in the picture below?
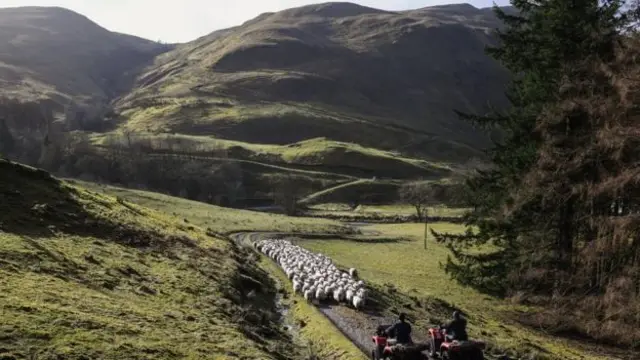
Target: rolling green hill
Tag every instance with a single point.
(342, 71)
(87, 275)
(319, 156)
(55, 57)
(327, 93)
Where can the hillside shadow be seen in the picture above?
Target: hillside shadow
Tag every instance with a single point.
(352, 238)
(381, 240)
(34, 204)
(387, 299)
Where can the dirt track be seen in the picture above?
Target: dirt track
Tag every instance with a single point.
(357, 326)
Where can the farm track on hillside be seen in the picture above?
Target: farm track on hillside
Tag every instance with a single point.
(357, 326)
(205, 158)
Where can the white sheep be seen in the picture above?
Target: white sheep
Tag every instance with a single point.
(363, 293)
(349, 295)
(314, 275)
(308, 295)
(358, 302)
(296, 287)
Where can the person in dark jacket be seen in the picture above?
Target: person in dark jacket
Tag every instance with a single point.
(457, 328)
(401, 330)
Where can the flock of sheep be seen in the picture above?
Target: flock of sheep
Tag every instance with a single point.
(314, 275)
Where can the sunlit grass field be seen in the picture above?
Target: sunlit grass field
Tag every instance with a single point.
(384, 210)
(416, 271)
(218, 219)
(404, 264)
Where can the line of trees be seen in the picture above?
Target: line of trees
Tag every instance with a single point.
(562, 200)
(424, 194)
(31, 134)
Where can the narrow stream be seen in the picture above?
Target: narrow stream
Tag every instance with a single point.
(245, 239)
(283, 309)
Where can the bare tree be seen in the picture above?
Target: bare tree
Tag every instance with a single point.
(421, 195)
(128, 137)
(51, 148)
(7, 143)
(286, 193)
(232, 178)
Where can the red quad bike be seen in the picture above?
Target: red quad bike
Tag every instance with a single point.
(384, 347)
(440, 345)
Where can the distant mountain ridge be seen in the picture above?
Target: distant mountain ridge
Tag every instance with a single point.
(385, 79)
(55, 55)
(336, 70)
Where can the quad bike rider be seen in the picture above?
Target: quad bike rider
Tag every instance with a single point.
(451, 341)
(401, 330)
(400, 347)
(457, 328)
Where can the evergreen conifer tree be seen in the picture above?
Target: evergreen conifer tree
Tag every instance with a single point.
(536, 45)
(7, 143)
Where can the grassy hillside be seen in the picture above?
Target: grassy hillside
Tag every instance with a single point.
(404, 267)
(409, 277)
(364, 190)
(312, 332)
(218, 219)
(174, 164)
(349, 73)
(53, 56)
(88, 275)
(341, 92)
(318, 155)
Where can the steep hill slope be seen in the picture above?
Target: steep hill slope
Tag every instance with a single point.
(88, 276)
(55, 56)
(350, 73)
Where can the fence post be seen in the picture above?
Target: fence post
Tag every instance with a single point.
(426, 227)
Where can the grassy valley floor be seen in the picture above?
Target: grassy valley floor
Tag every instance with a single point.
(409, 276)
(317, 336)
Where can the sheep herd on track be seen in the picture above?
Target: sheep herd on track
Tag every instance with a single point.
(314, 276)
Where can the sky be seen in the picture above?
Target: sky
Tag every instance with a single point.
(185, 20)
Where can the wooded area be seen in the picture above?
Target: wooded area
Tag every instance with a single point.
(561, 202)
(30, 134)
